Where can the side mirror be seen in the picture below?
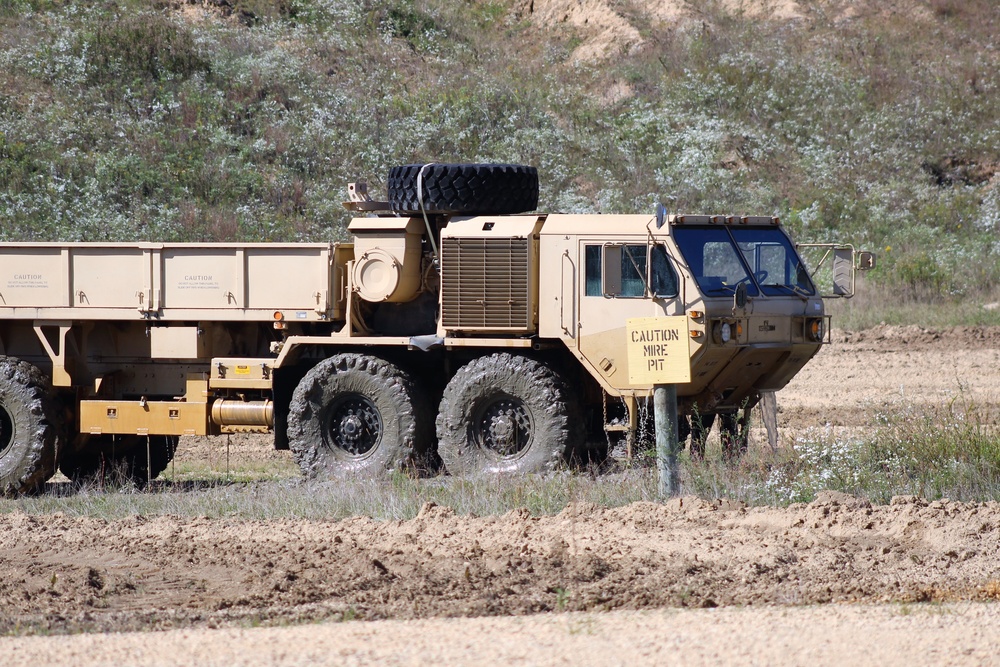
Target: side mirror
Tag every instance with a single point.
(740, 296)
(843, 271)
(661, 214)
(842, 268)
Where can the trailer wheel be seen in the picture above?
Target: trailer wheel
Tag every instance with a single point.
(27, 428)
(464, 188)
(355, 414)
(119, 459)
(504, 413)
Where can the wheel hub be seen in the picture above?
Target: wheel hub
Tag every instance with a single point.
(504, 426)
(351, 428)
(355, 425)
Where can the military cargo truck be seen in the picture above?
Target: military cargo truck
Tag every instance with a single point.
(456, 324)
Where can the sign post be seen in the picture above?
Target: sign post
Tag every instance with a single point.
(659, 354)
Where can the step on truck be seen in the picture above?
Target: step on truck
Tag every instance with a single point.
(457, 328)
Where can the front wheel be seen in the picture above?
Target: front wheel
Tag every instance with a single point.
(734, 432)
(355, 414)
(503, 413)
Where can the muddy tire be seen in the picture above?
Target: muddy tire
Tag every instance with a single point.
(507, 414)
(119, 459)
(28, 428)
(356, 415)
(464, 188)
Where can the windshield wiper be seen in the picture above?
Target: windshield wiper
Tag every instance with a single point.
(794, 290)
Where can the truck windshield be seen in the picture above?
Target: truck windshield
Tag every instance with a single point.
(723, 257)
(775, 265)
(714, 260)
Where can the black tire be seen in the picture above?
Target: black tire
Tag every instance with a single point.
(504, 413)
(355, 414)
(734, 431)
(28, 428)
(121, 459)
(465, 189)
(701, 424)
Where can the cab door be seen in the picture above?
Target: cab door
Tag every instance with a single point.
(621, 280)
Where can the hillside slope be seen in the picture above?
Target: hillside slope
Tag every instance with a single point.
(874, 123)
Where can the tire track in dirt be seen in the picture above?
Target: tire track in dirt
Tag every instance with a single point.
(63, 574)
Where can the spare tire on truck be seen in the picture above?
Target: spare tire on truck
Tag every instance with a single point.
(463, 189)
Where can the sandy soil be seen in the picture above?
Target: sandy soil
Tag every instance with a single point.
(855, 635)
(884, 368)
(610, 585)
(604, 29)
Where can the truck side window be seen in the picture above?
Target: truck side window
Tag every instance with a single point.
(592, 270)
(662, 277)
(625, 275)
(633, 271)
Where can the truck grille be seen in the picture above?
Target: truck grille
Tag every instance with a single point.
(485, 284)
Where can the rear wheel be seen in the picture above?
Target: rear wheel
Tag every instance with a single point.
(125, 459)
(355, 414)
(463, 188)
(504, 413)
(27, 428)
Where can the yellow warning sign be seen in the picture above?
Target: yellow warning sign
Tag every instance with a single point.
(658, 351)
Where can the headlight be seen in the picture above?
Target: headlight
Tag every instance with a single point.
(721, 332)
(815, 330)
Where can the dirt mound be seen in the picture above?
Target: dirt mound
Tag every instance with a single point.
(607, 29)
(61, 573)
(889, 337)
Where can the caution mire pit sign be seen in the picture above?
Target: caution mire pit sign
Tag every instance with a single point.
(658, 351)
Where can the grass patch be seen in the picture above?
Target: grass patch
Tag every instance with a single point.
(948, 452)
(875, 304)
(397, 497)
(939, 452)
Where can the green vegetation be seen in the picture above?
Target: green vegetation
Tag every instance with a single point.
(951, 452)
(127, 120)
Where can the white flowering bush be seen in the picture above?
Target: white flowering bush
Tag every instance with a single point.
(130, 120)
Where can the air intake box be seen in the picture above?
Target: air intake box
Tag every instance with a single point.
(489, 274)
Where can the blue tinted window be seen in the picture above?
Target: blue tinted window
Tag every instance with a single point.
(592, 260)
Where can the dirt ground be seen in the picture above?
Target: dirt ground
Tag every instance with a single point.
(573, 586)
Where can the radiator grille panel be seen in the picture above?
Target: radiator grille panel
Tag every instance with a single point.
(485, 284)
